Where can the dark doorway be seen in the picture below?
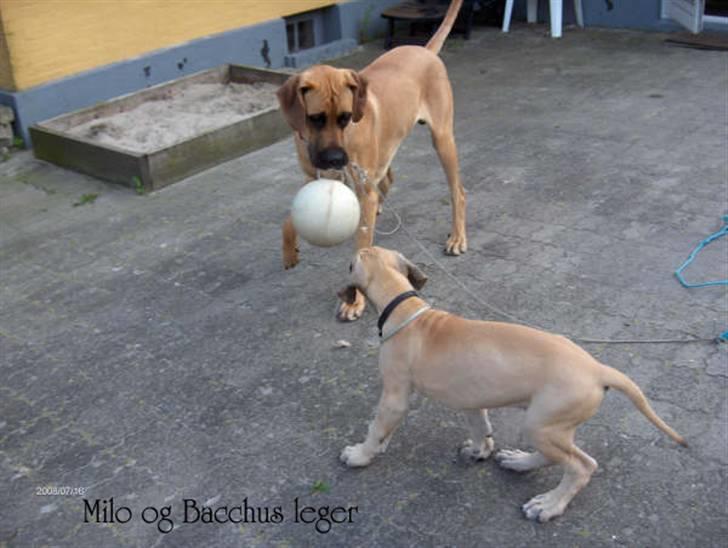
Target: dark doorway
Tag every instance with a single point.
(716, 8)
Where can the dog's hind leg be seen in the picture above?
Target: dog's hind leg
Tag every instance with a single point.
(480, 445)
(558, 447)
(551, 423)
(444, 142)
(437, 112)
(391, 410)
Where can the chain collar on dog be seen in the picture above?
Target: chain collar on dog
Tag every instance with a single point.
(394, 303)
(355, 177)
(405, 323)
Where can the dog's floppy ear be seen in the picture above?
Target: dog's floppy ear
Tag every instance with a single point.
(290, 97)
(358, 86)
(415, 276)
(348, 294)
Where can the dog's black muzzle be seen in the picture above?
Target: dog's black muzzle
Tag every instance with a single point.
(330, 158)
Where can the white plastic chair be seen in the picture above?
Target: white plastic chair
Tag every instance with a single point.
(555, 11)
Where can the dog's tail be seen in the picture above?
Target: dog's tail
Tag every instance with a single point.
(616, 379)
(438, 39)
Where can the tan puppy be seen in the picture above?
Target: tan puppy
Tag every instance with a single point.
(340, 116)
(476, 365)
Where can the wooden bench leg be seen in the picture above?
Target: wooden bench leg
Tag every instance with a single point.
(468, 16)
(390, 34)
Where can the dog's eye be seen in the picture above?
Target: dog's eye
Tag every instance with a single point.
(351, 267)
(317, 120)
(343, 119)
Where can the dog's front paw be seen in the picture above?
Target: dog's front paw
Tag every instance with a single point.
(351, 312)
(290, 257)
(477, 452)
(354, 456)
(457, 244)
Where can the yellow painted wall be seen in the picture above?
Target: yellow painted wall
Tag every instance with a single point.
(50, 39)
(6, 75)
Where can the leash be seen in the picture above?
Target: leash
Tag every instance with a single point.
(360, 181)
(355, 183)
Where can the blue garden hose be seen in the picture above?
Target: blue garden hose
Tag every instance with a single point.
(678, 273)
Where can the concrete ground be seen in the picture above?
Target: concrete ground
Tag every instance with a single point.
(154, 350)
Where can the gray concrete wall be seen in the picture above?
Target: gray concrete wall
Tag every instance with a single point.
(361, 19)
(634, 14)
(637, 14)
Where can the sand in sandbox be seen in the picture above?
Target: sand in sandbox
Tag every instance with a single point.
(179, 115)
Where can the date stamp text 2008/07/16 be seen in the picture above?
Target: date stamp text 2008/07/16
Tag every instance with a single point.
(60, 490)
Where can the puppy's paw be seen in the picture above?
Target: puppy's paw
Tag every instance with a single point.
(290, 257)
(477, 452)
(351, 312)
(354, 456)
(517, 460)
(457, 244)
(544, 507)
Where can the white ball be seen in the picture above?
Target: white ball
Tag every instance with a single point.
(325, 212)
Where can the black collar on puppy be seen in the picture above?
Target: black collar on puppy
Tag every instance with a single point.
(392, 305)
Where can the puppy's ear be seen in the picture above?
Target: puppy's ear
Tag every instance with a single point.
(358, 86)
(348, 294)
(415, 276)
(290, 97)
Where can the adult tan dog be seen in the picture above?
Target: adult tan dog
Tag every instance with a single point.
(474, 366)
(340, 116)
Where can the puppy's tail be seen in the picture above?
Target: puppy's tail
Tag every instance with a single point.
(438, 39)
(616, 379)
